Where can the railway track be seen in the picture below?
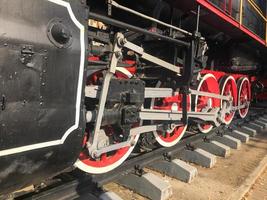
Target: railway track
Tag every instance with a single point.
(75, 184)
(189, 143)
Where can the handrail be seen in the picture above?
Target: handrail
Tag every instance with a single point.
(256, 5)
(252, 31)
(241, 12)
(252, 3)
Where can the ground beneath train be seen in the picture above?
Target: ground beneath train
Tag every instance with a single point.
(220, 182)
(259, 189)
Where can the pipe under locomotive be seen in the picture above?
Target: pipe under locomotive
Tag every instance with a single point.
(86, 83)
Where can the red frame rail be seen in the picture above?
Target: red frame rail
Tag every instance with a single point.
(222, 13)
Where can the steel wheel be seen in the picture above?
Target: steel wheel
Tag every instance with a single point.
(244, 96)
(208, 83)
(228, 87)
(176, 131)
(107, 161)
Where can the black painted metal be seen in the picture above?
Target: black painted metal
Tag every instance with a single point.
(123, 25)
(38, 88)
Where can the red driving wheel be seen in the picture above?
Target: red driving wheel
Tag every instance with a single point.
(228, 87)
(176, 131)
(107, 161)
(244, 96)
(208, 83)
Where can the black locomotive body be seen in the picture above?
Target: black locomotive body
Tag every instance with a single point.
(42, 61)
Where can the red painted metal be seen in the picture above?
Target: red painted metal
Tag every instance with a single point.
(93, 58)
(244, 95)
(217, 74)
(230, 20)
(167, 104)
(238, 76)
(220, 74)
(208, 83)
(132, 66)
(228, 86)
(105, 160)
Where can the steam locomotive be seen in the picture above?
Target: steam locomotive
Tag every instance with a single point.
(86, 83)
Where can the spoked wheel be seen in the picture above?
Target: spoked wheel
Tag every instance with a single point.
(244, 96)
(175, 131)
(111, 134)
(208, 83)
(107, 161)
(228, 87)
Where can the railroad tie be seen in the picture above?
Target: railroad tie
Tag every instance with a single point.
(199, 157)
(148, 185)
(109, 196)
(176, 168)
(216, 148)
(228, 141)
(251, 132)
(243, 137)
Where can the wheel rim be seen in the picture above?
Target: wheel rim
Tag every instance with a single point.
(175, 133)
(228, 87)
(108, 161)
(208, 83)
(244, 96)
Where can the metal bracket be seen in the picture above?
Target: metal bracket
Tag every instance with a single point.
(138, 170)
(205, 139)
(26, 54)
(168, 156)
(190, 147)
